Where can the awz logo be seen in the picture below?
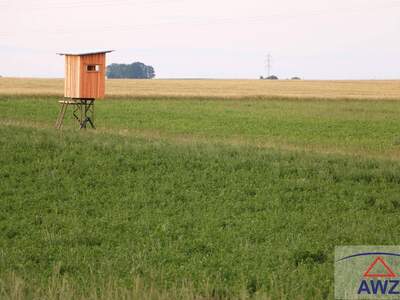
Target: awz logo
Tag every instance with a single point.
(376, 285)
(367, 274)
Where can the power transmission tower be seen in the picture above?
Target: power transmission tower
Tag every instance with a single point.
(268, 65)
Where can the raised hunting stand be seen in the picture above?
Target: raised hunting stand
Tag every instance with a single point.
(84, 83)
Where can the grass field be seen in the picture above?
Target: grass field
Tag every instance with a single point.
(190, 197)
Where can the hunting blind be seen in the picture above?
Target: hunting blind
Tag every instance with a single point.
(84, 83)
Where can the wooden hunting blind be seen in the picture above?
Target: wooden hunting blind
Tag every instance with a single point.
(84, 83)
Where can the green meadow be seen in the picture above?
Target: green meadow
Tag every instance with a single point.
(193, 198)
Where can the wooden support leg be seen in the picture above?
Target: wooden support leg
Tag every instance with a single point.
(65, 106)
(61, 115)
(58, 117)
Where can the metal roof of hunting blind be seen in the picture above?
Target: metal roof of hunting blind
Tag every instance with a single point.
(86, 53)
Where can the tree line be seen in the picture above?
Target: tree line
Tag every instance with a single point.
(136, 70)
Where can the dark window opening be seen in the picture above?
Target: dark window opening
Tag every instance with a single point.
(93, 68)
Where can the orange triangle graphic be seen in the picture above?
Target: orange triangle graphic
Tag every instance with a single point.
(389, 272)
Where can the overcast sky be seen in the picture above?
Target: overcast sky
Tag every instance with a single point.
(313, 39)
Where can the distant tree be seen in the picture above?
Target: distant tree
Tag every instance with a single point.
(272, 77)
(136, 70)
(295, 78)
(261, 77)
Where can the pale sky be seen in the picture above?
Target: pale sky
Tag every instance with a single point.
(313, 39)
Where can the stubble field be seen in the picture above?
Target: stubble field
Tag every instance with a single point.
(219, 89)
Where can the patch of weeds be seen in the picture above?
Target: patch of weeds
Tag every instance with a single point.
(308, 257)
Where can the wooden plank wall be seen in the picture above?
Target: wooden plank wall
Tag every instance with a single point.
(92, 84)
(72, 75)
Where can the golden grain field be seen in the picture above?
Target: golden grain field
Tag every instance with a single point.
(357, 89)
